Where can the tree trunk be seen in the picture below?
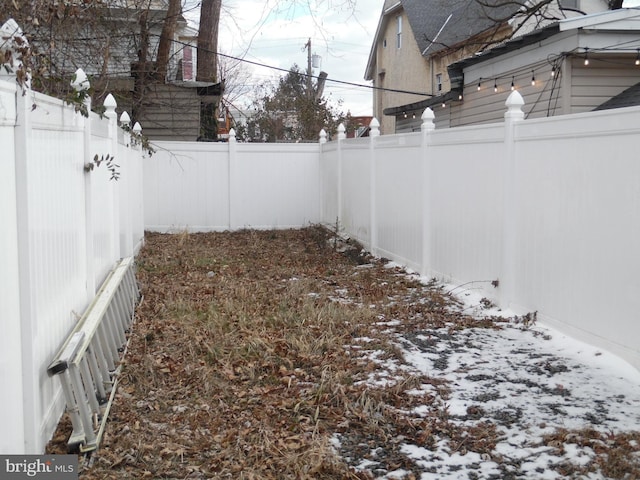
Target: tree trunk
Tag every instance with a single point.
(140, 69)
(208, 41)
(166, 39)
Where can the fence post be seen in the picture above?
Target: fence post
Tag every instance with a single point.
(110, 105)
(126, 249)
(339, 201)
(374, 133)
(514, 114)
(427, 127)
(80, 84)
(25, 354)
(135, 191)
(121, 128)
(12, 402)
(322, 139)
(232, 153)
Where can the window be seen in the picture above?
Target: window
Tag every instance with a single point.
(439, 82)
(399, 32)
(569, 4)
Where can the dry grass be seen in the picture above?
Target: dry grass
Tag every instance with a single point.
(251, 349)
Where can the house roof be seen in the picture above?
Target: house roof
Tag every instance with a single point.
(629, 98)
(623, 19)
(441, 24)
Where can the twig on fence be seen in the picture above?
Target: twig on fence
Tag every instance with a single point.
(495, 283)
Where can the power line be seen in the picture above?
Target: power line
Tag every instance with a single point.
(341, 82)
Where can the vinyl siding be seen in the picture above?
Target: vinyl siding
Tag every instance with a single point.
(172, 113)
(601, 80)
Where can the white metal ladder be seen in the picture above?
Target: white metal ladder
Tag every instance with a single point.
(88, 363)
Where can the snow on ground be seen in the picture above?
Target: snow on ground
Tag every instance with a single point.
(529, 382)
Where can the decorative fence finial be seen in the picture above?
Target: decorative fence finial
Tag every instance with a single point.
(14, 48)
(341, 132)
(110, 105)
(323, 136)
(514, 104)
(427, 120)
(80, 82)
(374, 126)
(232, 136)
(125, 119)
(137, 128)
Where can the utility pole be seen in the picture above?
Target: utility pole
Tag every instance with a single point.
(309, 71)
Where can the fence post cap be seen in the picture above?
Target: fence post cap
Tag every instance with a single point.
(80, 82)
(137, 128)
(232, 136)
(125, 119)
(427, 119)
(12, 45)
(374, 125)
(110, 105)
(514, 104)
(323, 136)
(341, 132)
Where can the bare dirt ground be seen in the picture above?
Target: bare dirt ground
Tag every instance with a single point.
(290, 354)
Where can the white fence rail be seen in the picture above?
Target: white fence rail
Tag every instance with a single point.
(63, 229)
(548, 208)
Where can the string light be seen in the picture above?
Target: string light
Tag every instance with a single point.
(638, 58)
(495, 86)
(553, 71)
(533, 78)
(460, 97)
(586, 57)
(444, 104)
(479, 83)
(513, 85)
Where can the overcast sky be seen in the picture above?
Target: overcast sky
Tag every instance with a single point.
(274, 32)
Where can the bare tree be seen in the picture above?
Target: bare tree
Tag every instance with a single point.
(499, 20)
(521, 12)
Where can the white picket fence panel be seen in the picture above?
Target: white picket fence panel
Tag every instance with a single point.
(63, 230)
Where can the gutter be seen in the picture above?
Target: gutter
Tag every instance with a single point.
(451, 95)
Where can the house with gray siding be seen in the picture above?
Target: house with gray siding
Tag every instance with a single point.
(574, 65)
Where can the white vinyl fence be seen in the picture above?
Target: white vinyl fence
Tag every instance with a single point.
(547, 209)
(228, 186)
(63, 229)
